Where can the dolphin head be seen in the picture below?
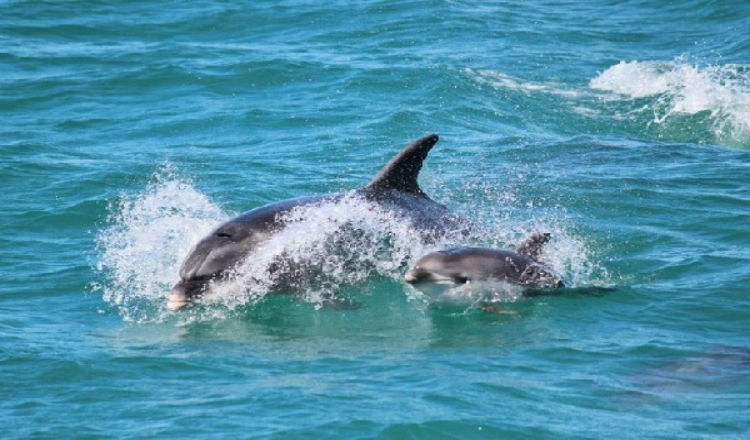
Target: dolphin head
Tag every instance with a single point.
(463, 264)
(213, 258)
(437, 267)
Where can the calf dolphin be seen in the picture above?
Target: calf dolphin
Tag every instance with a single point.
(394, 188)
(462, 265)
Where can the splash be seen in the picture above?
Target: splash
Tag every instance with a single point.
(679, 89)
(147, 236)
(325, 247)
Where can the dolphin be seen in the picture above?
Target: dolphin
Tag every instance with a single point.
(461, 265)
(394, 188)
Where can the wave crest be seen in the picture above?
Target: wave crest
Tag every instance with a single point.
(671, 100)
(680, 88)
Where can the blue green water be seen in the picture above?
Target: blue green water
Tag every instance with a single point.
(131, 129)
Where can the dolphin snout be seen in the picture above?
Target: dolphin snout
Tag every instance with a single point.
(184, 293)
(178, 298)
(416, 275)
(411, 277)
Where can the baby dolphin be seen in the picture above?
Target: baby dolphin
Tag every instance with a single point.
(461, 265)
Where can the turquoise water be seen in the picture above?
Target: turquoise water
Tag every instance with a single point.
(130, 130)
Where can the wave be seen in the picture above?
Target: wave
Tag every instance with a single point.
(670, 100)
(325, 247)
(679, 88)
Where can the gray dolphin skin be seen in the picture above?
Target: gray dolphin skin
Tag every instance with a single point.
(461, 265)
(394, 188)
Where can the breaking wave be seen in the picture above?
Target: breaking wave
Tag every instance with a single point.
(324, 248)
(670, 100)
(676, 88)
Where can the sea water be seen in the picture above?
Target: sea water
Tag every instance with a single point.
(130, 130)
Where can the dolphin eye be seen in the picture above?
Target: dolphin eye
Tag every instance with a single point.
(223, 234)
(462, 280)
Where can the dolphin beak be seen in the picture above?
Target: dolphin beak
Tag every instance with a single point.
(411, 277)
(178, 298)
(184, 294)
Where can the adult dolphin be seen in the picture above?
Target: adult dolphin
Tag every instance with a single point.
(394, 188)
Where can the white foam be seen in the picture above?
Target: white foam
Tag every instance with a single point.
(147, 236)
(664, 92)
(568, 253)
(500, 80)
(688, 89)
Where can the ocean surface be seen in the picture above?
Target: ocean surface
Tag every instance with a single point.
(132, 129)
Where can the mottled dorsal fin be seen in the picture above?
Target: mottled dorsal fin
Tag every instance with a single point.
(401, 172)
(533, 246)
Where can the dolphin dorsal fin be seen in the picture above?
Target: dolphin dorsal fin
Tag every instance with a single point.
(533, 246)
(401, 172)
